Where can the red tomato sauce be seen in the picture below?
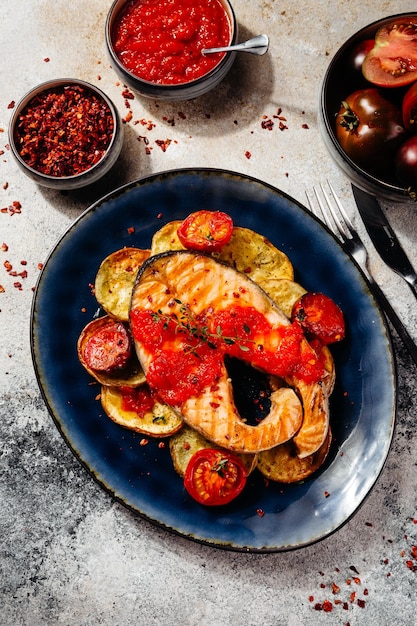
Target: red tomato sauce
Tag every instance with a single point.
(138, 400)
(160, 41)
(187, 360)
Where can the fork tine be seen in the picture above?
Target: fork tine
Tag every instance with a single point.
(323, 213)
(344, 227)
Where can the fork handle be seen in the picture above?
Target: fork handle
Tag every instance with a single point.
(406, 338)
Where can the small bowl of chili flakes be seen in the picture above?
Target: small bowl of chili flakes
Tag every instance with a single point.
(156, 45)
(65, 134)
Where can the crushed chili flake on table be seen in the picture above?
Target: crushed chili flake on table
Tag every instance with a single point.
(64, 131)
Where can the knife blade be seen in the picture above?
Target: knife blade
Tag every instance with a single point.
(384, 238)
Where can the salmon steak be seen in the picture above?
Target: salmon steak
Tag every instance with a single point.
(188, 312)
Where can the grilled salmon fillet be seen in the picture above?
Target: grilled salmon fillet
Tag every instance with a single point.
(168, 282)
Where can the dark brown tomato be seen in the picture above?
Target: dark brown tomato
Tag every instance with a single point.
(409, 109)
(406, 163)
(392, 62)
(369, 128)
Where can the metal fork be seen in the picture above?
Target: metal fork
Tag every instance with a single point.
(337, 220)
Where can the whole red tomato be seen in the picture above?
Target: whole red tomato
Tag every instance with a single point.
(406, 163)
(409, 109)
(369, 128)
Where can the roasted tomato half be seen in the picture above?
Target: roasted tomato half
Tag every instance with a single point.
(214, 477)
(108, 345)
(320, 317)
(409, 109)
(392, 62)
(206, 231)
(369, 128)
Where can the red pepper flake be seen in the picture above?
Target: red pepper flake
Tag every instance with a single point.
(306, 126)
(8, 266)
(5, 185)
(327, 606)
(18, 286)
(260, 512)
(131, 230)
(184, 117)
(128, 117)
(11, 105)
(159, 216)
(129, 95)
(186, 445)
(414, 551)
(161, 445)
(143, 442)
(47, 59)
(64, 131)
(248, 154)
(361, 603)
(40, 266)
(326, 494)
(2, 289)
(282, 126)
(13, 208)
(267, 124)
(163, 144)
(4, 247)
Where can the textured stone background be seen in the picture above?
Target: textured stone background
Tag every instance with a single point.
(69, 554)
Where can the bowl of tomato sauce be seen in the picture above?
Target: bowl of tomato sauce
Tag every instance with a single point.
(65, 134)
(156, 45)
(368, 108)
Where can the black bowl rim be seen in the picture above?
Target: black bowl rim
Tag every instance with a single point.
(378, 184)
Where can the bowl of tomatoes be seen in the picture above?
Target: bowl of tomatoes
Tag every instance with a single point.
(368, 108)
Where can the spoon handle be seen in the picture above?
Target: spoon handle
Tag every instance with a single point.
(257, 45)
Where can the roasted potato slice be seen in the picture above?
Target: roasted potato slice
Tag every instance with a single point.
(188, 441)
(166, 239)
(254, 255)
(115, 278)
(130, 375)
(284, 292)
(247, 251)
(282, 464)
(162, 421)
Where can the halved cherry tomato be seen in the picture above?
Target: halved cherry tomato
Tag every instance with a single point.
(409, 109)
(206, 231)
(369, 129)
(392, 62)
(109, 348)
(214, 477)
(320, 317)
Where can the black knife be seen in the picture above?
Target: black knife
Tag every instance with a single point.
(384, 238)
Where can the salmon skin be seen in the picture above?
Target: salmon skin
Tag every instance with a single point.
(170, 280)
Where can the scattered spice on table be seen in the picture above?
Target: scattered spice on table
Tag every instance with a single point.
(64, 131)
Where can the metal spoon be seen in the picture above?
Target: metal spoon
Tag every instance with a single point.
(257, 45)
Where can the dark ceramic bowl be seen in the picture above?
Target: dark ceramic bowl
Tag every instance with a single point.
(87, 170)
(340, 80)
(170, 92)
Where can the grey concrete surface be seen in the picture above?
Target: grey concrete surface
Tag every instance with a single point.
(69, 554)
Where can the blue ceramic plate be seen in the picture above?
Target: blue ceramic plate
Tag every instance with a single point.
(265, 518)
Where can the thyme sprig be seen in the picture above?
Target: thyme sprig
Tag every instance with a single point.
(186, 324)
